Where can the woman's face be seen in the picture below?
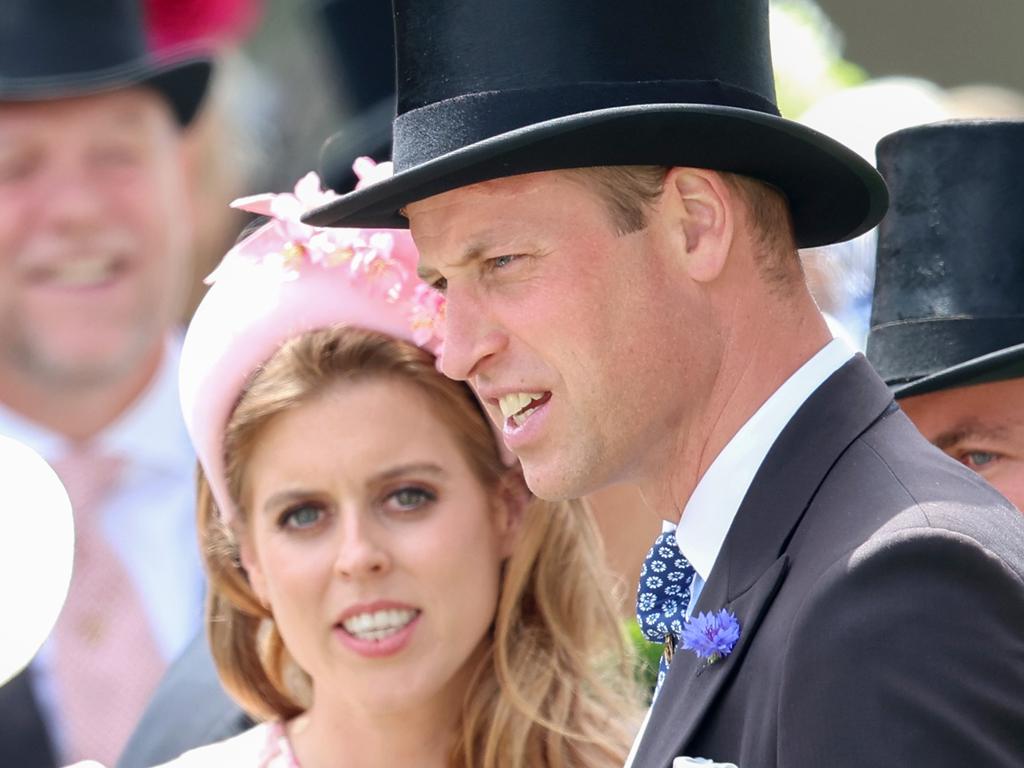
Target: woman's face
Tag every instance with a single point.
(374, 545)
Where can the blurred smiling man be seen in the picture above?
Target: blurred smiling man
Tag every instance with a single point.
(92, 275)
(947, 330)
(94, 270)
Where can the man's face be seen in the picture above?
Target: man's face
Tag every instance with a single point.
(583, 343)
(981, 426)
(93, 247)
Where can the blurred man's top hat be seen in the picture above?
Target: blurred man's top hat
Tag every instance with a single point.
(489, 89)
(361, 43)
(63, 48)
(948, 307)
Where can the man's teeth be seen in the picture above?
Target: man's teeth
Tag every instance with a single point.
(84, 271)
(378, 625)
(511, 405)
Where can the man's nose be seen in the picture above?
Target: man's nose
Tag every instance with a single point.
(471, 337)
(73, 200)
(362, 551)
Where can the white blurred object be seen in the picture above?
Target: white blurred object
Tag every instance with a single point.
(36, 553)
(860, 116)
(840, 331)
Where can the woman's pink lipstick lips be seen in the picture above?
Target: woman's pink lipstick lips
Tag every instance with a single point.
(388, 646)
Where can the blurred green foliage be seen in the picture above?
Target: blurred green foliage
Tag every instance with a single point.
(647, 656)
(807, 56)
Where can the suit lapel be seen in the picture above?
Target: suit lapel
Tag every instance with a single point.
(24, 740)
(752, 564)
(691, 686)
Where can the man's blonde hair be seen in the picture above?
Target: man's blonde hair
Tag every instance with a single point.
(630, 190)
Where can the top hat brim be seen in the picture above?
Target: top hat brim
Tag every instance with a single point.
(183, 83)
(833, 193)
(1003, 364)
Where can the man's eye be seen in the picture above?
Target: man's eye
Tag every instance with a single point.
(117, 156)
(500, 262)
(16, 169)
(978, 459)
(440, 285)
(302, 516)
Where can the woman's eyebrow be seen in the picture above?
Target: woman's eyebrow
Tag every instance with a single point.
(283, 498)
(426, 467)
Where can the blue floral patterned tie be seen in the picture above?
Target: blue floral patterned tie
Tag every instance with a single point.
(663, 597)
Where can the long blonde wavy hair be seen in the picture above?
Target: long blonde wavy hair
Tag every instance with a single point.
(553, 684)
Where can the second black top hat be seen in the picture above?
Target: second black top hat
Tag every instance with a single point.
(55, 49)
(489, 89)
(948, 308)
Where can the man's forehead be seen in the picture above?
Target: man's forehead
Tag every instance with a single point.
(991, 410)
(492, 189)
(118, 107)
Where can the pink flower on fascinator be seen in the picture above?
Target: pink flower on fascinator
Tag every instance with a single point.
(377, 265)
(370, 172)
(427, 315)
(374, 260)
(284, 242)
(289, 206)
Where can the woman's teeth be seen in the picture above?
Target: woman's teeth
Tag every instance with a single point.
(379, 624)
(515, 406)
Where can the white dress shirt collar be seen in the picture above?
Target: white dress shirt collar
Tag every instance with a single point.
(151, 433)
(709, 513)
(132, 434)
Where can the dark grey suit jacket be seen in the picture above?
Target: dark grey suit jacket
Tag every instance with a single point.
(879, 587)
(24, 739)
(188, 710)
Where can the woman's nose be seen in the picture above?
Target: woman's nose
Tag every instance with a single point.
(362, 551)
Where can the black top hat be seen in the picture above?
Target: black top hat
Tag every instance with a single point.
(55, 49)
(948, 309)
(363, 52)
(489, 89)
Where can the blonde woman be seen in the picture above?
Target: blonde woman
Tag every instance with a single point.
(384, 589)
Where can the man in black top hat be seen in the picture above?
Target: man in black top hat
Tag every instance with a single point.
(947, 330)
(613, 206)
(94, 255)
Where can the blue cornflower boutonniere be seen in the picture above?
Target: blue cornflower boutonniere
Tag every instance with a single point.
(711, 636)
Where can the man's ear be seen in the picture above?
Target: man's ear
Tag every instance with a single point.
(699, 205)
(513, 499)
(252, 569)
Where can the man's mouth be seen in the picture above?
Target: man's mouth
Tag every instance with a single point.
(517, 407)
(82, 272)
(378, 625)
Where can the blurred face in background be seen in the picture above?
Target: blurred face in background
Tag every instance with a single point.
(93, 236)
(981, 426)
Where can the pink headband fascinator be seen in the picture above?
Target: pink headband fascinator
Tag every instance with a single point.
(283, 280)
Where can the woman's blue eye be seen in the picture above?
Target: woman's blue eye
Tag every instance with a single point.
(411, 498)
(301, 517)
(503, 261)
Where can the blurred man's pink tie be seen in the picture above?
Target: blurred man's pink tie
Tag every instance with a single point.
(107, 663)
